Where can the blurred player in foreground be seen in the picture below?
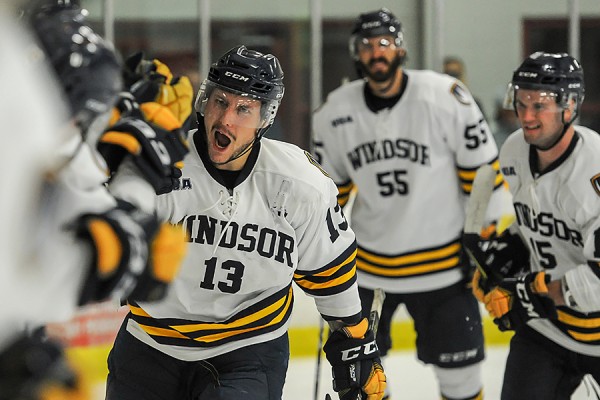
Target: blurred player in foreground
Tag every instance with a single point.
(82, 244)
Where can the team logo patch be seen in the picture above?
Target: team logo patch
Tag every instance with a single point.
(461, 94)
(596, 183)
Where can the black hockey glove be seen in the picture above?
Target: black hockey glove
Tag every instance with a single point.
(354, 358)
(155, 142)
(517, 300)
(495, 258)
(152, 81)
(134, 257)
(34, 368)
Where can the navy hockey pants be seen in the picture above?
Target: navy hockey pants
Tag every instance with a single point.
(539, 369)
(140, 372)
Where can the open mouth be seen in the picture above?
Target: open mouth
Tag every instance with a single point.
(221, 140)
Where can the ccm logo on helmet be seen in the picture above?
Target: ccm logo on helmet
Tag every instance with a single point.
(237, 76)
(355, 352)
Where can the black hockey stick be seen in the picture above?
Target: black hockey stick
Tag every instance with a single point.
(374, 314)
(376, 306)
(319, 351)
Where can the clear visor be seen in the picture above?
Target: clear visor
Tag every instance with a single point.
(528, 96)
(245, 109)
(359, 43)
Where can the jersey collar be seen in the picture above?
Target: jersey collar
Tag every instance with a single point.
(533, 157)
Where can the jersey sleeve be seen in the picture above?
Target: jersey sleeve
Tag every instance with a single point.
(583, 201)
(323, 148)
(474, 146)
(327, 267)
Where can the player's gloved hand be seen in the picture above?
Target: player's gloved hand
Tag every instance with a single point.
(356, 366)
(154, 140)
(495, 257)
(517, 300)
(32, 368)
(135, 258)
(152, 81)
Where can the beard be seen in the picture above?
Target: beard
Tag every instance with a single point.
(382, 76)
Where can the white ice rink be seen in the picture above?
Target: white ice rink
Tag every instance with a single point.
(409, 379)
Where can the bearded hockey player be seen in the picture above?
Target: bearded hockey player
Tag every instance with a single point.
(409, 142)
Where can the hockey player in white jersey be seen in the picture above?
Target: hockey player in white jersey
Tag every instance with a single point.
(260, 214)
(410, 142)
(75, 243)
(553, 170)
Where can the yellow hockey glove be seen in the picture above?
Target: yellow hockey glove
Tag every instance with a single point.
(356, 366)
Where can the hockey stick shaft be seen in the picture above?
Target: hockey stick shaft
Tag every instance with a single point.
(479, 199)
(319, 351)
(376, 306)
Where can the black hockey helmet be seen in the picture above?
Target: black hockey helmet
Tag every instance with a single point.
(87, 67)
(247, 73)
(375, 23)
(557, 73)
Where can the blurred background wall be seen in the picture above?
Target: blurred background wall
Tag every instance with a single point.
(310, 38)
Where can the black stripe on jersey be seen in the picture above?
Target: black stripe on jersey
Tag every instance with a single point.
(415, 263)
(583, 327)
(334, 278)
(467, 176)
(344, 190)
(265, 316)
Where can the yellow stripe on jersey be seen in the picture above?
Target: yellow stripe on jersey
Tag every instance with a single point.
(585, 337)
(265, 316)
(331, 279)
(344, 190)
(467, 175)
(415, 263)
(581, 327)
(572, 320)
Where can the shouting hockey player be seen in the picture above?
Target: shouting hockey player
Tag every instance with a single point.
(260, 214)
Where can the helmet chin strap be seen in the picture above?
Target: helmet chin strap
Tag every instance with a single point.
(562, 134)
(259, 134)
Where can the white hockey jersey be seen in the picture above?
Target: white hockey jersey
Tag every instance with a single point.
(558, 214)
(280, 224)
(44, 264)
(412, 165)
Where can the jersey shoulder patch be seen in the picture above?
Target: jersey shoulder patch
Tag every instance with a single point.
(460, 93)
(595, 181)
